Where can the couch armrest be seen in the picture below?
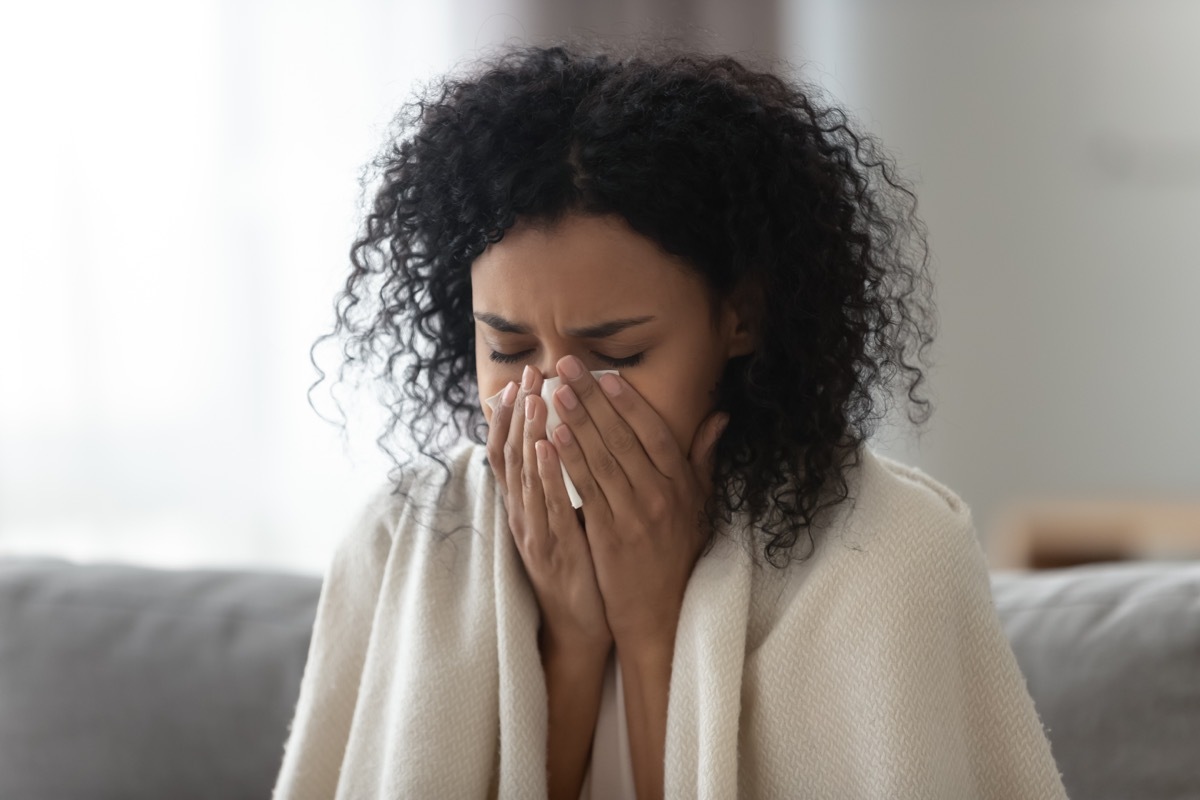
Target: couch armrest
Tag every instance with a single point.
(134, 682)
(1111, 656)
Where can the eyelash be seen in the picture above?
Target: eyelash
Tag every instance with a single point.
(631, 361)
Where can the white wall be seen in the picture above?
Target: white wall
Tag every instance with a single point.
(179, 195)
(1056, 152)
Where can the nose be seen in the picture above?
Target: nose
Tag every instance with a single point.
(548, 367)
(539, 367)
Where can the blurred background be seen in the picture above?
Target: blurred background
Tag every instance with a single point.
(181, 186)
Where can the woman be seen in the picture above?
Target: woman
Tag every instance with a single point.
(747, 602)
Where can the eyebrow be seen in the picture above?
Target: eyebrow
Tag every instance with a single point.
(601, 331)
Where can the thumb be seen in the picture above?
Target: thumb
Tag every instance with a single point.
(704, 447)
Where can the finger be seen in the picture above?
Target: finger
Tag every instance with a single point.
(596, 507)
(560, 515)
(531, 481)
(597, 430)
(636, 434)
(498, 431)
(704, 449)
(559, 511)
(515, 444)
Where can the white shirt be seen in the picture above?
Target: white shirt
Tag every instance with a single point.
(609, 774)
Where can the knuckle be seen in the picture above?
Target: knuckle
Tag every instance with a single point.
(498, 427)
(662, 440)
(554, 506)
(512, 454)
(655, 505)
(607, 467)
(620, 437)
(587, 488)
(529, 481)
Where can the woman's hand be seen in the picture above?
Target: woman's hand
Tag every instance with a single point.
(546, 531)
(643, 500)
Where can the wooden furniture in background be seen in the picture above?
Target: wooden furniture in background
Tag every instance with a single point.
(1062, 533)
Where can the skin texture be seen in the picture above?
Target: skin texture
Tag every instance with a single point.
(591, 270)
(613, 573)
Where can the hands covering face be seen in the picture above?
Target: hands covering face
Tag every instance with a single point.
(620, 575)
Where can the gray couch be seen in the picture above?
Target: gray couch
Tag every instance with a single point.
(126, 682)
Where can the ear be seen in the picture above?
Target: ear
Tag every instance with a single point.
(736, 325)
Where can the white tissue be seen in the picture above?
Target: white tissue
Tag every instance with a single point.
(552, 421)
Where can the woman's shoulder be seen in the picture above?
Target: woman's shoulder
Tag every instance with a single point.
(915, 493)
(899, 508)
(902, 538)
(898, 529)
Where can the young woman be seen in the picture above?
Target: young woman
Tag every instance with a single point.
(725, 278)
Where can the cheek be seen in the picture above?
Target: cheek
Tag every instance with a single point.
(683, 406)
(667, 403)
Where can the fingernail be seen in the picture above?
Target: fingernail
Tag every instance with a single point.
(510, 394)
(529, 407)
(571, 368)
(527, 378)
(563, 434)
(610, 384)
(567, 397)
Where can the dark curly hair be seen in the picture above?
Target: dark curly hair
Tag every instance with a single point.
(765, 192)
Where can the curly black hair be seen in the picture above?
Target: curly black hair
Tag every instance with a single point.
(762, 188)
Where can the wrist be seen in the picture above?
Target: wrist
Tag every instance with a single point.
(645, 655)
(651, 645)
(572, 650)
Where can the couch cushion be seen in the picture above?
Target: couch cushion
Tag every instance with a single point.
(128, 682)
(1111, 656)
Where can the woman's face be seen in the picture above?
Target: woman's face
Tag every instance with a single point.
(534, 290)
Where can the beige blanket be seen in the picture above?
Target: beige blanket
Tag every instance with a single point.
(877, 669)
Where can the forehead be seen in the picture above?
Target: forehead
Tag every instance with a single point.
(593, 258)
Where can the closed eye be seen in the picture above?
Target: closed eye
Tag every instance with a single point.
(629, 361)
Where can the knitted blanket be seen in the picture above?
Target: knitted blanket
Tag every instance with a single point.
(876, 669)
